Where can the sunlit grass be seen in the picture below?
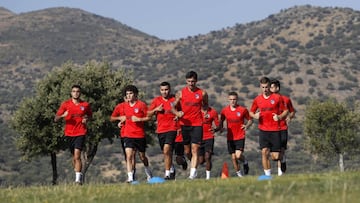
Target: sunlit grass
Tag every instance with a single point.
(326, 187)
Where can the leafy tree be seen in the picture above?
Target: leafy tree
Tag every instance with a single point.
(332, 129)
(33, 120)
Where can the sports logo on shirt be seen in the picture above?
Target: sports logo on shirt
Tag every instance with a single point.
(82, 108)
(197, 96)
(207, 116)
(272, 101)
(238, 114)
(136, 110)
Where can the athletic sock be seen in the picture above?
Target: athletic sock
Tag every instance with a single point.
(78, 176)
(267, 172)
(207, 174)
(193, 172)
(130, 176)
(280, 172)
(167, 173)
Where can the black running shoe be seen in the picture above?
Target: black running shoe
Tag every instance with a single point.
(283, 167)
(246, 169)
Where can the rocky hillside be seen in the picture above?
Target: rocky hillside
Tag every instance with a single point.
(314, 52)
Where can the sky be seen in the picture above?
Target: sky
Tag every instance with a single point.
(175, 19)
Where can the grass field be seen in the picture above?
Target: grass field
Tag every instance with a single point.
(322, 187)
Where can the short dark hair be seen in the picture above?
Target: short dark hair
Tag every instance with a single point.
(165, 84)
(264, 80)
(233, 94)
(76, 86)
(191, 74)
(131, 88)
(275, 82)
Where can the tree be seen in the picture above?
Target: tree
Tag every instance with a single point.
(332, 129)
(33, 120)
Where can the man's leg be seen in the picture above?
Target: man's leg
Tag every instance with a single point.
(194, 160)
(245, 163)
(130, 163)
(208, 163)
(77, 165)
(187, 151)
(145, 161)
(265, 161)
(281, 162)
(167, 159)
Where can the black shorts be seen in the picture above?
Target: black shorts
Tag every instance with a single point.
(135, 143)
(234, 145)
(179, 148)
(206, 146)
(270, 139)
(76, 142)
(284, 138)
(167, 138)
(192, 134)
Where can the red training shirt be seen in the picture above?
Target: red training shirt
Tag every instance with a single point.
(235, 119)
(191, 102)
(165, 119)
(135, 129)
(290, 107)
(209, 117)
(273, 104)
(119, 110)
(73, 121)
(179, 137)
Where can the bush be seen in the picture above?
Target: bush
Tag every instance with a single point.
(312, 83)
(299, 80)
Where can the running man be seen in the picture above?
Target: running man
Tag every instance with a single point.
(134, 133)
(269, 109)
(166, 125)
(275, 88)
(210, 126)
(238, 121)
(118, 111)
(76, 114)
(191, 99)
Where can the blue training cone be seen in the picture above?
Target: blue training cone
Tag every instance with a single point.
(135, 182)
(155, 180)
(264, 177)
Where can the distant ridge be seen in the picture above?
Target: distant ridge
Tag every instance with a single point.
(5, 12)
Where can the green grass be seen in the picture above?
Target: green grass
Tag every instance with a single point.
(324, 187)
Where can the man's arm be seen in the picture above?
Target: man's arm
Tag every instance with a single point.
(118, 118)
(57, 117)
(205, 98)
(248, 124)
(177, 113)
(277, 117)
(254, 115)
(152, 110)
